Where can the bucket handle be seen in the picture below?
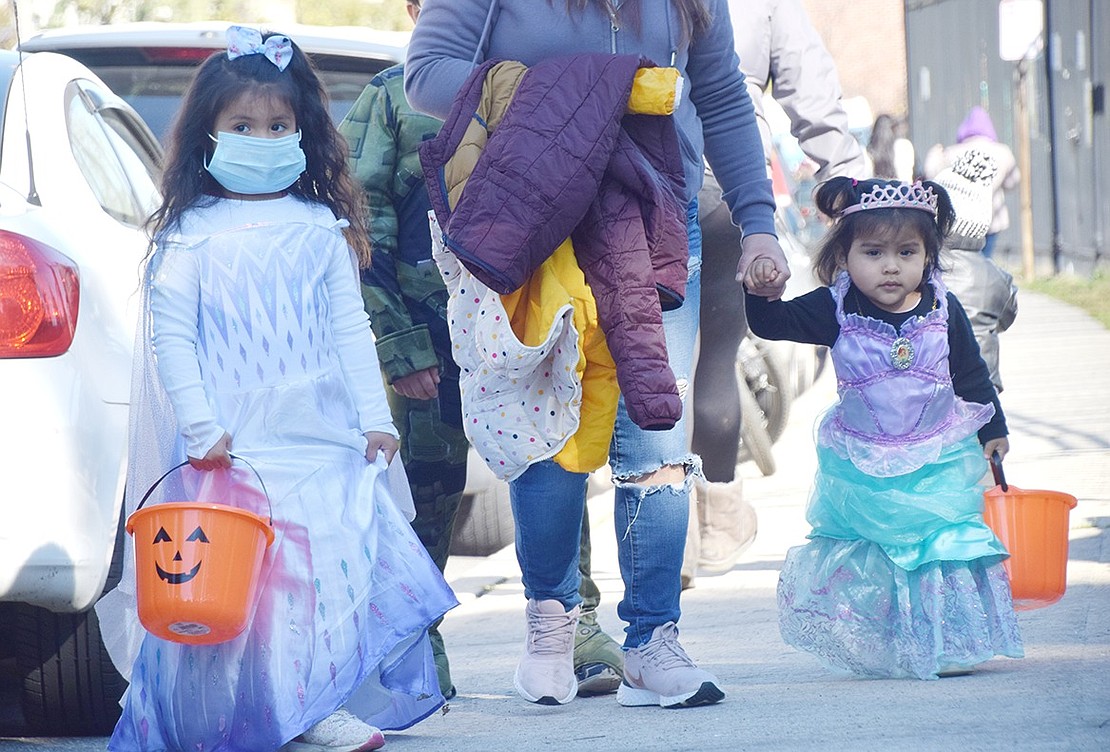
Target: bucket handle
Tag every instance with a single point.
(996, 469)
(166, 474)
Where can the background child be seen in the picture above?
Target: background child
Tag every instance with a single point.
(254, 337)
(976, 131)
(986, 291)
(901, 577)
(407, 302)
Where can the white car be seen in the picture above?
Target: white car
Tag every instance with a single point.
(78, 177)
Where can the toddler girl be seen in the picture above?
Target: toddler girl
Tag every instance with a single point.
(901, 577)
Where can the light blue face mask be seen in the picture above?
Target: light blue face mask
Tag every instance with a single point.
(251, 165)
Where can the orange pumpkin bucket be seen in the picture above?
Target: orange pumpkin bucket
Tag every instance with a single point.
(197, 566)
(1033, 526)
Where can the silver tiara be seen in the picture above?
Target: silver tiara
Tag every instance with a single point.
(896, 196)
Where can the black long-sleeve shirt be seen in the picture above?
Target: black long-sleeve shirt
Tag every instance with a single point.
(811, 318)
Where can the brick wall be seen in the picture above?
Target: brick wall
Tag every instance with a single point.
(867, 38)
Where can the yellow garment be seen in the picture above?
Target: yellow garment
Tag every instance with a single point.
(531, 310)
(559, 279)
(655, 91)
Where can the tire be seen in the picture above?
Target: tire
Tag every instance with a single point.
(484, 523)
(768, 378)
(70, 686)
(755, 440)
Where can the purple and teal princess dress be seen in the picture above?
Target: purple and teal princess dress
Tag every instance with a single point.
(901, 577)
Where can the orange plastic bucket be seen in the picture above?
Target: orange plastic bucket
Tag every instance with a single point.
(1033, 526)
(197, 567)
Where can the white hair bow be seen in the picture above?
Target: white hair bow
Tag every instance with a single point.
(242, 40)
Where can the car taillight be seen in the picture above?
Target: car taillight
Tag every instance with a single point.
(39, 295)
(179, 55)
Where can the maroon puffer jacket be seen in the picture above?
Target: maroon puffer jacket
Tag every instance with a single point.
(564, 161)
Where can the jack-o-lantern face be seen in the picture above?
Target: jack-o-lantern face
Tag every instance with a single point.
(179, 578)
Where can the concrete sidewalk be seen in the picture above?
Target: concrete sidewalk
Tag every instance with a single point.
(1056, 368)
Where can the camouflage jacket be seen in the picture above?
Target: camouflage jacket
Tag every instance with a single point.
(402, 290)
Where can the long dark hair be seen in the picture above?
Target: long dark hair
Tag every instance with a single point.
(694, 15)
(216, 84)
(880, 147)
(837, 194)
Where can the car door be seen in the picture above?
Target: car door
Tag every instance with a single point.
(120, 162)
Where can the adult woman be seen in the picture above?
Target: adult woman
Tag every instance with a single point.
(652, 469)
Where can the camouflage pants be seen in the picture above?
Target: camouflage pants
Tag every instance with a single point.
(434, 452)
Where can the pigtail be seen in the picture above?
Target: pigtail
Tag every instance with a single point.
(835, 194)
(946, 214)
(831, 197)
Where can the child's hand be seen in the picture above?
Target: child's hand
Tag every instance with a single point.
(420, 385)
(1000, 445)
(219, 456)
(763, 247)
(376, 441)
(761, 273)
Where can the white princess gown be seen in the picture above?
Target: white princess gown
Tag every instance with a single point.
(253, 324)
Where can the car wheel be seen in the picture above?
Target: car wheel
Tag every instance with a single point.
(70, 685)
(484, 523)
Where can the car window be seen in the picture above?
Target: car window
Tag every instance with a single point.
(97, 160)
(141, 163)
(155, 91)
(344, 87)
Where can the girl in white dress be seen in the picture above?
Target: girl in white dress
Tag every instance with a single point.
(254, 340)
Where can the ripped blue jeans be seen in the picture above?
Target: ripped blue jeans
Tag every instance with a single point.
(548, 501)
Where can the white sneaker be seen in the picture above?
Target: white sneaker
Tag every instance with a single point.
(660, 673)
(339, 732)
(545, 673)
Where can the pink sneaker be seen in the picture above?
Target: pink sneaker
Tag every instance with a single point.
(339, 732)
(545, 674)
(660, 673)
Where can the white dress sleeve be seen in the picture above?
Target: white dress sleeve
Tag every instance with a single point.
(355, 342)
(174, 306)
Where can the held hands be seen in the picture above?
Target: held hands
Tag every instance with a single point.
(761, 273)
(768, 278)
(1000, 445)
(219, 456)
(376, 441)
(419, 385)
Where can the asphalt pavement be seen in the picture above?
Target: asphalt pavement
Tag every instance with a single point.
(1056, 369)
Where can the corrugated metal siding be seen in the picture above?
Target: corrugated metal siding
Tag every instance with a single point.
(953, 63)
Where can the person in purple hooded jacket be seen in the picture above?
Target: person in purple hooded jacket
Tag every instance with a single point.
(653, 470)
(977, 132)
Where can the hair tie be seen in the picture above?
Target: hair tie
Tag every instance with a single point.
(242, 40)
